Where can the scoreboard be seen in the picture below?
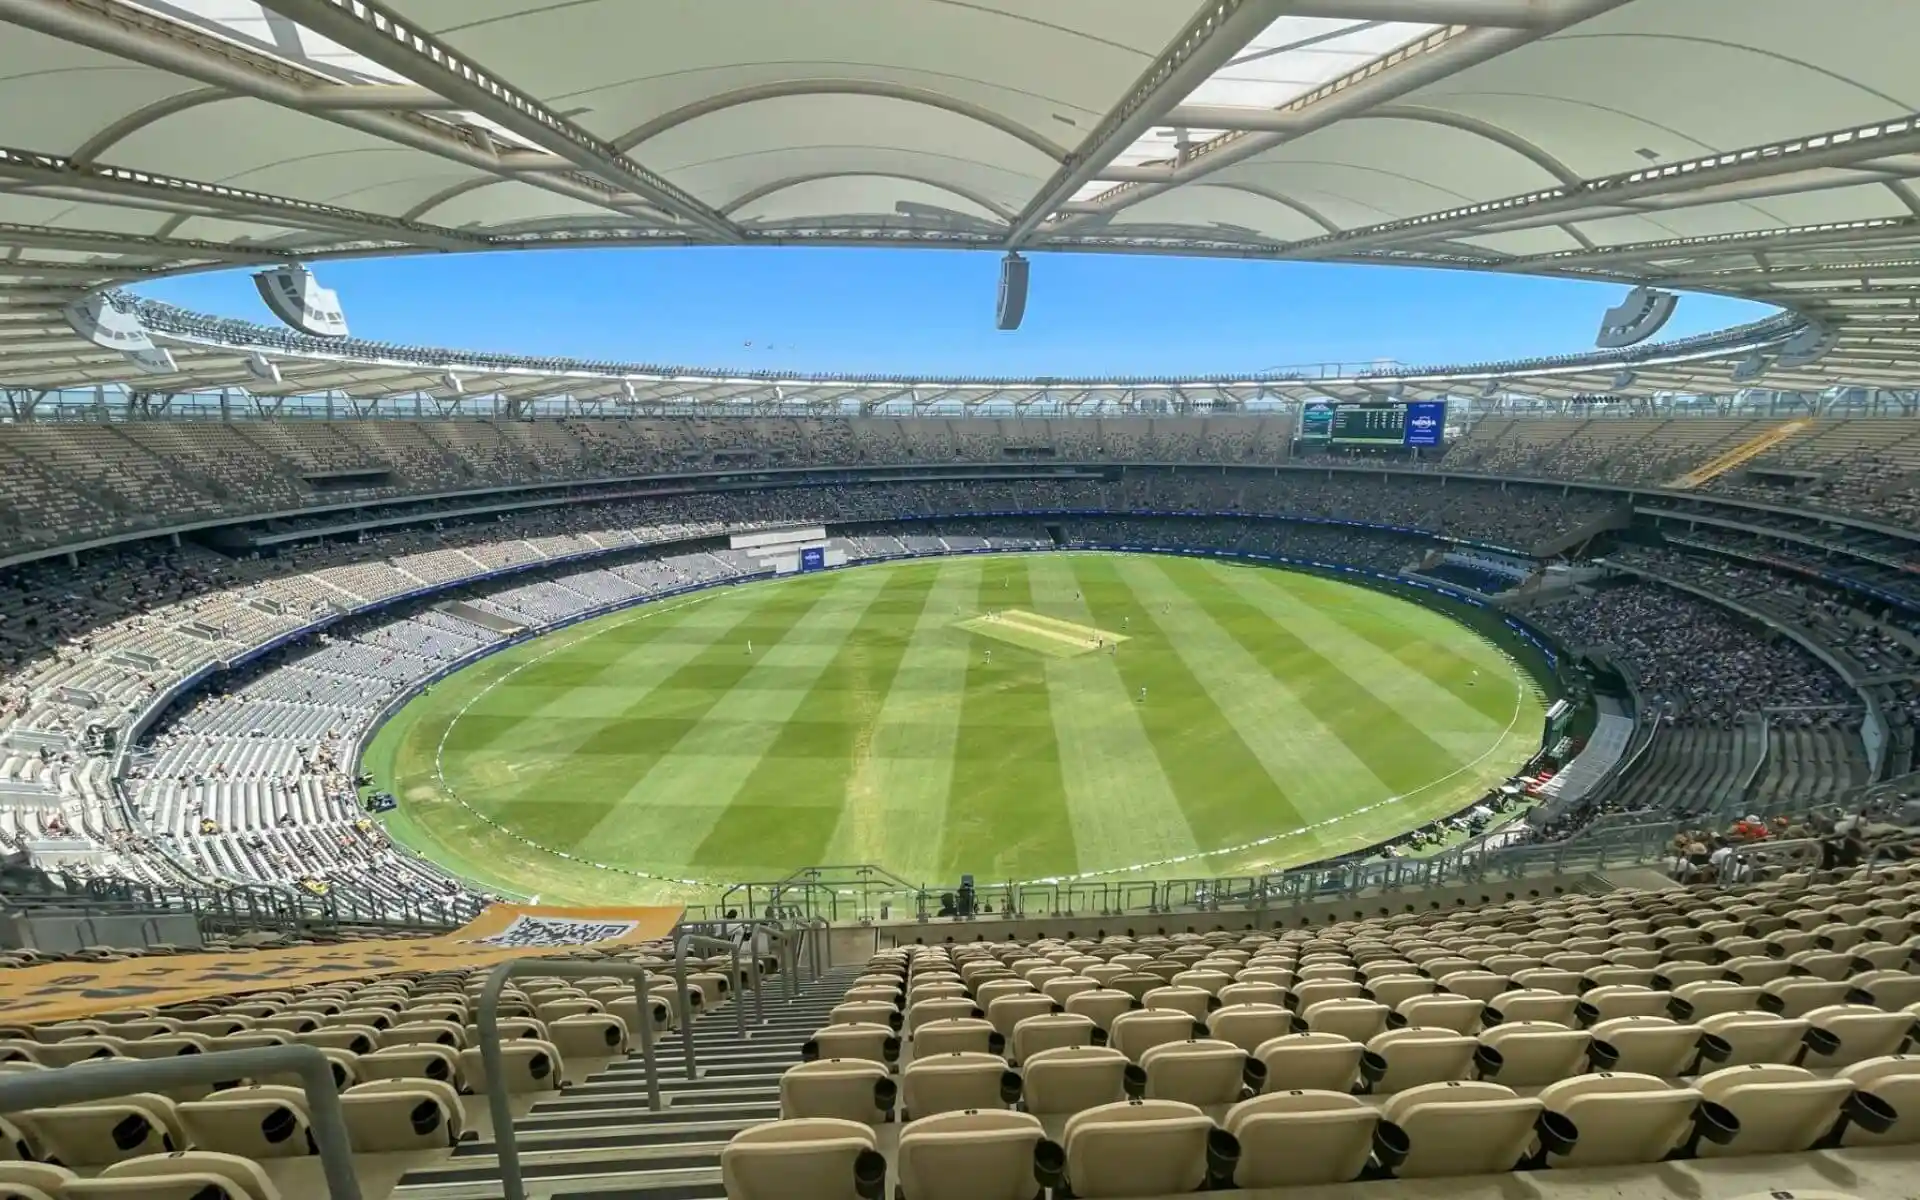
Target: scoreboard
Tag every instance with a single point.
(1386, 423)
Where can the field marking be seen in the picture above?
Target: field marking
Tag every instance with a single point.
(1522, 686)
(640, 613)
(1059, 637)
(1117, 793)
(667, 813)
(895, 810)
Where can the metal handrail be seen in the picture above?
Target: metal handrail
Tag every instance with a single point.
(45, 1089)
(680, 945)
(506, 1146)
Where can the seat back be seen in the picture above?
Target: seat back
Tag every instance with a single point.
(1417, 1056)
(1201, 1072)
(105, 1131)
(1137, 1148)
(1353, 1019)
(955, 1034)
(1782, 1110)
(1249, 1026)
(1461, 1014)
(1864, 1032)
(392, 1115)
(1298, 1138)
(1134, 1033)
(1894, 1078)
(874, 1043)
(1047, 1032)
(1462, 1128)
(1310, 1062)
(257, 1121)
(814, 1158)
(1757, 1037)
(844, 1089)
(1657, 1046)
(968, 1156)
(1534, 1004)
(1103, 1005)
(951, 1083)
(1535, 1053)
(1622, 1117)
(1073, 1079)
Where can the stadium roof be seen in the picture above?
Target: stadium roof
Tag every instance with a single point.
(1761, 148)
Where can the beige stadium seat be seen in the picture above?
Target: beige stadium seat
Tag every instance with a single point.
(530, 1065)
(1250, 1026)
(258, 1121)
(1300, 1138)
(1481, 985)
(871, 994)
(392, 1115)
(1535, 1004)
(1622, 1118)
(936, 989)
(993, 989)
(953, 1082)
(33, 1180)
(1208, 981)
(1623, 1000)
(969, 1156)
(1461, 1014)
(958, 1034)
(1394, 990)
(940, 1009)
(1712, 997)
(104, 1131)
(1463, 1128)
(438, 1033)
(411, 1062)
(815, 1158)
(844, 1089)
(1534, 1053)
(1895, 1080)
(1402, 1058)
(1137, 984)
(1310, 992)
(1102, 1006)
(190, 1175)
(1757, 1037)
(1203, 1072)
(1323, 1062)
(1863, 1031)
(1799, 995)
(865, 1012)
(1354, 1019)
(589, 1035)
(1252, 993)
(873, 1043)
(1058, 990)
(1195, 1002)
(1049, 1031)
(1007, 1011)
(1889, 990)
(1781, 1110)
(1134, 1033)
(1075, 1078)
(357, 1039)
(1139, 1148)
(1657, 1046)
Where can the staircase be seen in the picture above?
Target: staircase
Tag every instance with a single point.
(598, 1140)
(1740, 455)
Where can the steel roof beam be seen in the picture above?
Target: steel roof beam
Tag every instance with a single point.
(368, 28)
(178, 49)
(301, 215)
(1220, 30)
(1500, 14)
(1838, 148)
(92, 241)
(1444, 53)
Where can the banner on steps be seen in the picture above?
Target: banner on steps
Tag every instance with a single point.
(69, 991)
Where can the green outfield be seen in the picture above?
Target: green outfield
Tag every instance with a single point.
(1018, 717)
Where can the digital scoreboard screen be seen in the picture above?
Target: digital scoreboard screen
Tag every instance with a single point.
(1370, 424)
(1389, 423)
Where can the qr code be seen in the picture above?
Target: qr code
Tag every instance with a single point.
(541, 932)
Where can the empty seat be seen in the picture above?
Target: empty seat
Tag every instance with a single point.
(1534, 1053)
(958, 1034)
(1622, 1118)
(530, 1065)
(1296, 1138)
(1195, 1002)
(1780, 1109)
(953, 1082)
(815, 1158)
(874, 1043)
(187, 1175)
(1894, 1079)
(1657, 1046)
(1402, 1058)
(1461, 1014)
(392, 1115)
(1047, 1032)
(1137, 1148)
(1757, 1037)
(1203, 1072)
(1134, 1033)
(1534, 1004)
(844, 1089)
(1353, 1019)
(1311, 1062)
(1249, 1026)
(1462, 1128)
(969, 1156)
(1102, 1006)
(1862, 1031)
(258, 1121)
(105, 1131)
(1074, 1078)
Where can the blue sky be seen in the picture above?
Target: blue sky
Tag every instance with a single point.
(922, 311)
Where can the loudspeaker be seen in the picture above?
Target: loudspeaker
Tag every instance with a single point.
(297, 298)
(1013, 292)
(263, 368)
(98, 321)
(1636, 318)
(1807, 347)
